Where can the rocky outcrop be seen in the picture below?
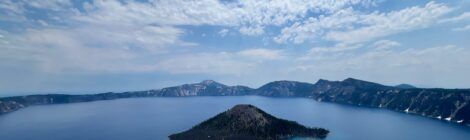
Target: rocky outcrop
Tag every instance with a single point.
(444, 104)
(9, 106)
(205, 88)
(248, 122)
(285, 89)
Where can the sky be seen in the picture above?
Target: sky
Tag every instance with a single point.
(89, 46)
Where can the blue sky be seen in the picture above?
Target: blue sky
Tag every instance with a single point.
(87, 46)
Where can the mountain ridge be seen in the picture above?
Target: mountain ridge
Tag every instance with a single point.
(450, 105)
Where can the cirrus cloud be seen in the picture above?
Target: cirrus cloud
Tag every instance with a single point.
(350, 26)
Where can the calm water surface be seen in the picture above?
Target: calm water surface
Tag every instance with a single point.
(156, 118)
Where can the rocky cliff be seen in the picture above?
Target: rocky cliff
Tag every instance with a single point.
(444, 104)
(205, 88)
(285, 89)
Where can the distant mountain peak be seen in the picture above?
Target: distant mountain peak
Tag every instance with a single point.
(357, 81)
(349, 79)
(405, 86)
(246, 114)
(362, 84)
(248, 122)
(285, 88)
(322, 81)
(210, 82)
(282, 82)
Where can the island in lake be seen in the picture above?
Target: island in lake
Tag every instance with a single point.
(249, 123)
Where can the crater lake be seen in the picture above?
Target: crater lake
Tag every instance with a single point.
(157, 118)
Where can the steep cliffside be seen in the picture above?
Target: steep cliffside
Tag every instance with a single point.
(205, 88)
(446, 104)
(285, 89)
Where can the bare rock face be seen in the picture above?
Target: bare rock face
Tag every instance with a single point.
(205, 88)
(285, 89)
(9, 106)
(450, 105)
(248, 122)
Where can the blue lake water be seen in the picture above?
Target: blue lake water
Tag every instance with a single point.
(156, 118)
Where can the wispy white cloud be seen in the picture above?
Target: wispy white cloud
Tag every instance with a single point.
(252, 31)
(321, 53)
(16, 10)
(110, 36)
(55, 5)
(350, 26)
(385, 44)
(262, 54)
(221, 63)
(380, 25)
(465, 28)
(243, 62)
(89, 49)
(249, 16)
(20, 6)
(312, 28)
(461, 17)
(146, 37)
(223, 32)
(57, 51)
